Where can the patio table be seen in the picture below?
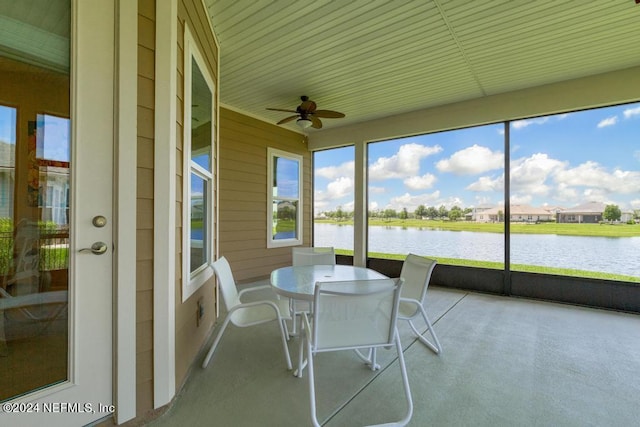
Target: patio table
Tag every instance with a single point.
(298, 283)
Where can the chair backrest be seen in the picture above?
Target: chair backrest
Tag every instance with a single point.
(226, 283)
(355, 314)
(313, 256)
(416, 273)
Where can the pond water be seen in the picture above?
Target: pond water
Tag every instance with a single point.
(617, 255)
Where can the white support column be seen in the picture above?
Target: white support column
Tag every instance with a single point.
(164, 246)
(360, 205)
(125, 212)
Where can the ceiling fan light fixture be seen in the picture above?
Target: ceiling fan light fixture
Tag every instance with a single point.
(304, 123)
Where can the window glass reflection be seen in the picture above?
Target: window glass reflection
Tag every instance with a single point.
(198, 217)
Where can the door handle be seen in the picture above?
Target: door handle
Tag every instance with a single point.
(98, 248)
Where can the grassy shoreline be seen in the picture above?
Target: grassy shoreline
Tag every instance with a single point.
(590, 230)
(514, 267)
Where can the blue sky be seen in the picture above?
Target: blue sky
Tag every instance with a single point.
(56, 130)
(562, 160)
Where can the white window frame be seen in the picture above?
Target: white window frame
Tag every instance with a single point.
(192, 281)
(271, 242)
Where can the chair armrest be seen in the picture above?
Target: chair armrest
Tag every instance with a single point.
(253, 304)
(253, 288)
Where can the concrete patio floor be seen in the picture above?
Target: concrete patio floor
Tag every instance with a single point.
(505, 362)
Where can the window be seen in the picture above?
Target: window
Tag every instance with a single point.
(198, 170)
(439, 195)
(333, 200)
(284, 201)
(565, 170)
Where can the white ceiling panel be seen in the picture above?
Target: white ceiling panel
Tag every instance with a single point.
(372, 59)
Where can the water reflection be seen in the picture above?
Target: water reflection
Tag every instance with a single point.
(598, 254)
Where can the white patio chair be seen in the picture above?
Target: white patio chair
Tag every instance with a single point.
(308, 256)
(416, 273)
(247, 314)
(313, 256)
(354, 315)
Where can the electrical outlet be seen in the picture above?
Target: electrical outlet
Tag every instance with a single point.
(199, 311)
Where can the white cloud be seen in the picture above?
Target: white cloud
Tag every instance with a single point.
(597, 194)
(630, 112)
(609, 121)
(635, 204)
(411, 202)
(450, 202)
(403, 164)
(486, 183)
(592, 175)
(340, 188)
(521, 124)
(564, 193)
(521, 199)
(373, 206)
(421, 182)
(472, 160)
(333, 172)
(529, 174)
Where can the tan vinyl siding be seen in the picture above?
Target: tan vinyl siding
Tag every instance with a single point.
(190, 336)
(144, 208)
(243, 193)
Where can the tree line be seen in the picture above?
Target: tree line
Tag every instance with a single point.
(611, 212)
(422, 212)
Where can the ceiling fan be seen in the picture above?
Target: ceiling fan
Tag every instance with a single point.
(307, 115)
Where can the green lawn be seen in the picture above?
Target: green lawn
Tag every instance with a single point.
(514, 267)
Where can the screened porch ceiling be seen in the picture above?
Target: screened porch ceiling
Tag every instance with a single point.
(373, 59)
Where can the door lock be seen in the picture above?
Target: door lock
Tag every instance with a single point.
(99, 221)
(98, 248)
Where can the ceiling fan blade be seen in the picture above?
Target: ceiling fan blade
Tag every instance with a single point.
(308, 106)
(315, 122)
(280, 109)
(328, 114)
(288, 119)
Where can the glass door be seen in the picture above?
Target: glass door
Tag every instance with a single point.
(55, 211)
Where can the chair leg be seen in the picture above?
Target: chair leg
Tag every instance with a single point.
(435, 346)
(312, 387)
(370, 359)
(405, 382)
(283, 333)
(215, 342)
(286, 328)
(294, 313)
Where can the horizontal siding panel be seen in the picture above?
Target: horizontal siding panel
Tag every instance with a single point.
(146, 62)
(144, 245)
(144, 336)
(243, 196)
(144, 367)
(241, 216)
(145, 122)
(146, 32)
(144, 214)
(228, 176)
(228, 207)
(145, 152)
(147, 8)
(144, 183)
(144, 398)
(144, 306)
(144, 275)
